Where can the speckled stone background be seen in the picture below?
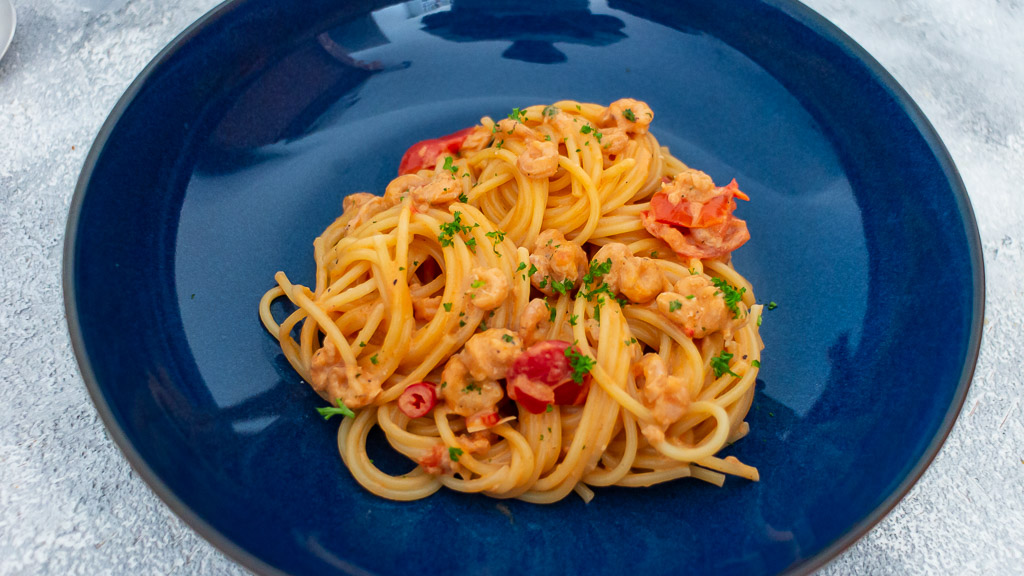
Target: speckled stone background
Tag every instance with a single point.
(70, 504)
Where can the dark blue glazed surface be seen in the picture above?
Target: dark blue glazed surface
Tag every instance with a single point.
(234, 150)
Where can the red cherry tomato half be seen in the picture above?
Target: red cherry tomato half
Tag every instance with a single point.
(425, 154)
(418, 399)
(572, 394)
(544, 362)
(542, 375)
(531, 395)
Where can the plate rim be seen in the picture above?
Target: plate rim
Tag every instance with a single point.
(792, 8)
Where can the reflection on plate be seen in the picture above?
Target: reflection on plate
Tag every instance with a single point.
(8, 19)
(234, 148)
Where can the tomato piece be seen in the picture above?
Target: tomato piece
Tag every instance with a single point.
(710, 242)
(544, 362)
(687, 213)
(691, 214)
(424, 154)
(418, 399)
(481, 421)
(571, 393)
(532, 395)
(542, 375)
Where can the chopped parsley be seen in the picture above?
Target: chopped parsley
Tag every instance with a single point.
(471, 244)
(597, 269)
(562, 287)
(690, 297)
(755, 363)
(586, 129)
(483, 325)
(478, 283)
(551, 110)
(532, 270)
(449, 165)
(521, 267)
(549, 408)
(674, 305)
(450, 229)
(572, 319)
(544, 283)
(759, 318)
(628, 115)
(731, 295)
(720, 364)
(447, 306)
(329, 411)
(581, 364)
(654, 254)
(553, 311)
(454, 453)
(547, 137)
(362, 344)
(508, 338)
(463, 198)
(772, 305)
(498, 236)
(373, 359)
(517, 115)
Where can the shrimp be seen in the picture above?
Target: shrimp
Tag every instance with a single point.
(535, 322)
(464, 395)
(356, 386)
(637, 278)
(631, 115)
(556, 260)
(698, 306)
(539, 160)
(666, 396)
(488, 288)
(363, 207)
(489, 354)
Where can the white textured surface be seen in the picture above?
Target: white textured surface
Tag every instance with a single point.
(69, 502)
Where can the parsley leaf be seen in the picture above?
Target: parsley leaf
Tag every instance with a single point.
(329, 411)
(522, 266)
(532, 270)
(551, 110)
(549, 408)
(572, 319)
(731, 295)
(454, 453)
(508, 338)
(586, 129)
(628, 115)
(463, 198)
(447, 306)
(772, 305)
(674, 305)
(478, 283)
(448, 165)
(450, 229)
(498, 236)
(518, 115)
(581, 364)
(720, 364)
(562, 287)
(373, 360)
(755, 363)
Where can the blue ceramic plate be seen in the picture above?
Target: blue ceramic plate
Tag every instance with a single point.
(233, 149)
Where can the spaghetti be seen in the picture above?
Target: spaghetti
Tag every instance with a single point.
(535, 306)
